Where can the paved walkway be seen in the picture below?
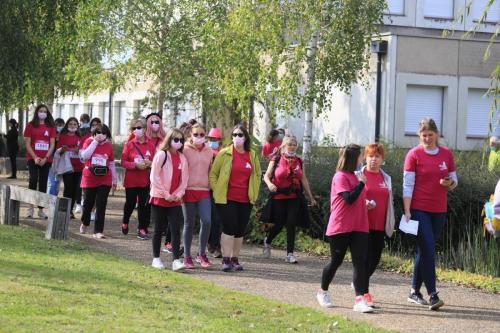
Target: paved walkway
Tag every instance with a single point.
(466, 310)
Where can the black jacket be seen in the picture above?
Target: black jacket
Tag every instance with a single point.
(12, 144)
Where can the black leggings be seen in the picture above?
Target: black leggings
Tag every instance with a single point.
(163, 216)
(13, 162)
(144, 209)
(99, 197)
(38, 176)
(284, 213)
(375, 247)
(357, 242)
(234, 216)
(71, 186)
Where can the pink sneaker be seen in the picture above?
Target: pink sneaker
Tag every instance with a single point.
(203, 260)
(188, 263)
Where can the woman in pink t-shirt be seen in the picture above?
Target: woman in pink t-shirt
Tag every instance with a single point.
(40, 140)
(98, 176)
(380, 208)
(429, 173)
(347, 227)
(286, 179)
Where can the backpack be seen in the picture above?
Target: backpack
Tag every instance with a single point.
(490, 222)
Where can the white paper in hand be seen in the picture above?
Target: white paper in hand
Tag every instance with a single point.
(410, 227)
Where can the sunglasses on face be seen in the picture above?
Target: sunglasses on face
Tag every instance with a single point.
(137, 128)
(155, 122)
(200, 135)
(97, 132)
(238, 134)
(178, 140)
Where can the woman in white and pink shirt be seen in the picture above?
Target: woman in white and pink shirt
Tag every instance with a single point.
(429, 173)
(169, 179)
(98, 176)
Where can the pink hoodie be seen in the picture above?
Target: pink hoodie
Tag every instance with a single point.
(199, 162)
(161, 177)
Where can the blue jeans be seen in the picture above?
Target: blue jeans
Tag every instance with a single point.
(429, 230)
(53, 184)
(204, 208)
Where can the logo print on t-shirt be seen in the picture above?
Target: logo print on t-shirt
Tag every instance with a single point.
(248, 166)
(382, 185)
(46, 133)
(148, 153)
(297, 168)
(443, 166)
(180, 166)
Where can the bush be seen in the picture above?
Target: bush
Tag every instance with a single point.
(463, 245)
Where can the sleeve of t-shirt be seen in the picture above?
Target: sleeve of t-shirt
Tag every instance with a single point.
(27, 131)
(451, 163)
(341, 184)
(410, 162)
(125, 158)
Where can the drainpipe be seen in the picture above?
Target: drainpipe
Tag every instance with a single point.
(380, 48)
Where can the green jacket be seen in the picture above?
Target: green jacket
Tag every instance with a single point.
(221, 170)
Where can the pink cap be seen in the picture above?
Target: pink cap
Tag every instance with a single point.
(215, 133)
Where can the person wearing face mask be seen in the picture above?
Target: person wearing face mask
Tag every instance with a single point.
(274, 139)
(53, 181)
(347, 227)
(84, 131)
(215, 143)
(286, 179)
(235, 181)
(136, 158)
(40, 137)
(98, 176)
(13, 147)
(154, 129)
(380, 209)
(169, 178)
(70, 143)
(197, 196)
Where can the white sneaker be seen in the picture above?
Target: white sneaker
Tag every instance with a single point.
(99, 235)
(41, 214)
(83, 228)
(78, 209)
(324, 299)
(29, 214)
(92, 216)
(157, 263)
(178, 265)
(361, 306)
(290, 258)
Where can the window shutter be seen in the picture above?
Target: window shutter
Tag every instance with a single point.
(478, 113)
(422, 102)
(438, 9)
(395, 7)
(493, 15)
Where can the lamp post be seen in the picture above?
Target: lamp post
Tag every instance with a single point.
(380, 48)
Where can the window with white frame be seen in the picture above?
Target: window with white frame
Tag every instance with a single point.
(442, 9)
(88, 108)
(423, 102)
(479, 113)
(122, 112)
(105, 112)
(395, 7)
(493, 14)
(65, 112)
(59, 111)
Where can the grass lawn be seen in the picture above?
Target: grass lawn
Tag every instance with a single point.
(54, 286)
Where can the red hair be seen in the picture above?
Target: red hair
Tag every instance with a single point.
(149, 129)
(374, 148)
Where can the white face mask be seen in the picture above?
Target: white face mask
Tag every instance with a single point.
(72, 129)
(138, 133)
(100, 138)
(198, 140)
(176, 145)
(289, 154)
(155, 127)
(42, 115)
(238, 141)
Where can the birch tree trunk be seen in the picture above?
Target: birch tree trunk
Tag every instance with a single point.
(309, 111)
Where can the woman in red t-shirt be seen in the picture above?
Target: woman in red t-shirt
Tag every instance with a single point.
(169, 179)
(429, 173)
(286, 179)
(136, 158)
(70, 143)
(272, 145)
(98, 176)
(347, 227)
(380, 208)
(40, 139)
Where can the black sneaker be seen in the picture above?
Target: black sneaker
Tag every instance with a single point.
(417, 298)
(434, 302)
(125, 229)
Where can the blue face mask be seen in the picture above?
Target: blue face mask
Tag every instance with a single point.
(85, 125)
(213, 144)
(59, 129)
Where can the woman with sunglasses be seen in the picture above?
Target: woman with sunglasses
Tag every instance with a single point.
(136, 158)
(235, 181)
(154, 129)
(98, 176)
(70, 143)
(40, 139)
(169, 179)
(197, 197)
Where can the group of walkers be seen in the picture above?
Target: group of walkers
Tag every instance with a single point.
(173, 176)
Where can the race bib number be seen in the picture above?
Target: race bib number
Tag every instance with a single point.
(42, 145)
(138, 160)
(98, 160)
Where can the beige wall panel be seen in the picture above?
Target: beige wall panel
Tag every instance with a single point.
(471, 59)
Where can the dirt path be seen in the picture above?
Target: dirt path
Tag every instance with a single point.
(466, 310)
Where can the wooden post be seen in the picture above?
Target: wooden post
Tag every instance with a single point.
(58, 219)
(4, 204)
(13, 215)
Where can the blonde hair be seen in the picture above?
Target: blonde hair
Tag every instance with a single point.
(165, 145)
(134, 122)
(286, 139)
(428, 124)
